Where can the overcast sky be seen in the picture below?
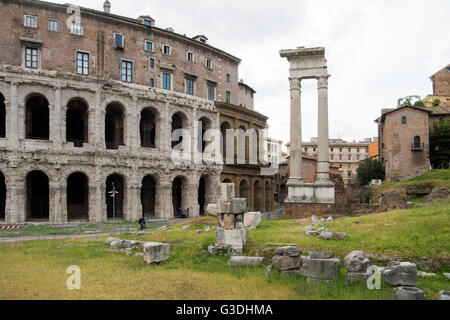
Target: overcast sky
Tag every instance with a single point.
(377, 51)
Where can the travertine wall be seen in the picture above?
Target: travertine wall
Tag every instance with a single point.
(58, 158)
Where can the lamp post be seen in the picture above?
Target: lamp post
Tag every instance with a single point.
(113, 193)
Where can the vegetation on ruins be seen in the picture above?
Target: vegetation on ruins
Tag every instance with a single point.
(370, 169)
(440, 144)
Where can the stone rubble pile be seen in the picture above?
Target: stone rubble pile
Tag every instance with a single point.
(287, 260)
(316, 229)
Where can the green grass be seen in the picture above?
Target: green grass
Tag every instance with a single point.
(438, 178)
(37, 269)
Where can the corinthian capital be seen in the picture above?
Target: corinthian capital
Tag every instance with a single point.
(295, 83)
(322, 82)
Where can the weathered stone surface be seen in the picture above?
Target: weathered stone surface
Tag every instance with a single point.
(393, 200)
(185, 227)
(295, 273)
(357, 276)
(225, 192)
(156, 252)
(288, 251)
(326, 269)
(321, 255)
(330, 219)
(207, 229)
(409, 293)
(214, 249)
(333, 235)
(238, 205)
(238, 261)
(308, 228)
(268, 270)
(110, 240)
(139, 255)
(284, 263)
(233, 240)
(425, 274)
(444, 295)
(312, 233)
(356, 261)
(199, 231)
(400, 274)
(137, 245)
(212, 209)
(317, 281)
(252, 220)
(438, 194)
(128, 252)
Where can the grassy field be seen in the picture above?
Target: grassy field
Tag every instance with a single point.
(37, 269)
(437, 178)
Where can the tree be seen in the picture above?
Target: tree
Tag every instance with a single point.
(407, 101)
(440, 143)
(370, 169)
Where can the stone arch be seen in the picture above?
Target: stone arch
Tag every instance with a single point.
(223, 130)
(148, 127)
(37, 117)
(257, 196)
(2, 116)
(148, 195)
(114, 125)
(226, 180)
(204, 124)
(179, 121)
(37, 186)
(268, 197)
(283, 193)
(2, 197)
(77, 122)
(179, 188)
(119, 184)
(205, 195)
(77, 197)
(244, 191)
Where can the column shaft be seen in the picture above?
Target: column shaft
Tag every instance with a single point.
(296, 130)
(323, 174)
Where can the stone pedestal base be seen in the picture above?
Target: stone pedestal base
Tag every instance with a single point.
(299, 192)
(232, 240)
(306, 210)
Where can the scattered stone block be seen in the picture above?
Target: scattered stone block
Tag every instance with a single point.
(356, 261)
(268, 270)
(199, 231)
(238, 261)
(333, 235)
(207, 229)
(321, 255)
(128, 252)
(410, 204)
(155, 252)
(447, 275)
(358, 276)
(444, 295)
(290, 251)
(330, 219)
(214, 249)
(425, 274)
(238, 205)
(110, 240)
(212, 209)
(139, 255)
(252, 220)
(323, 269)
(410, 293)
(400, 274)
(312, 234)
(308, 228)
(285, 263)
(233, 240)
(185, 227)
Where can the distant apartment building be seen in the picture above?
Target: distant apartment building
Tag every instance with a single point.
(274, 150)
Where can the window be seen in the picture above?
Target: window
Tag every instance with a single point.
(166, 81)
(349, 166)
(152, 82)
(53, 25)
(190, 86)
(358, 158)
(340, 149)
(340, 165)
(31, 58)
(77, 29)
(148, 23)
(148, 46)
(83, 63)
(118, 40)
(228, 78)
(332, 150)
(209, 63)
(127, 71)
(357, 150)
(349, 157)
(228, 97)
(404, 121)
(211, 90)
(166, 49)
(417, 144)
(30, 21)
(340, 157)
(152, 63)
(190, 56)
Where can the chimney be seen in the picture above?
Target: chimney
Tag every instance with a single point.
(107, 7)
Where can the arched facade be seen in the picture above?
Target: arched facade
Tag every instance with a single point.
(114, 126)
(77, 122)
(37, 186)
(77, 197)
(37, 121)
